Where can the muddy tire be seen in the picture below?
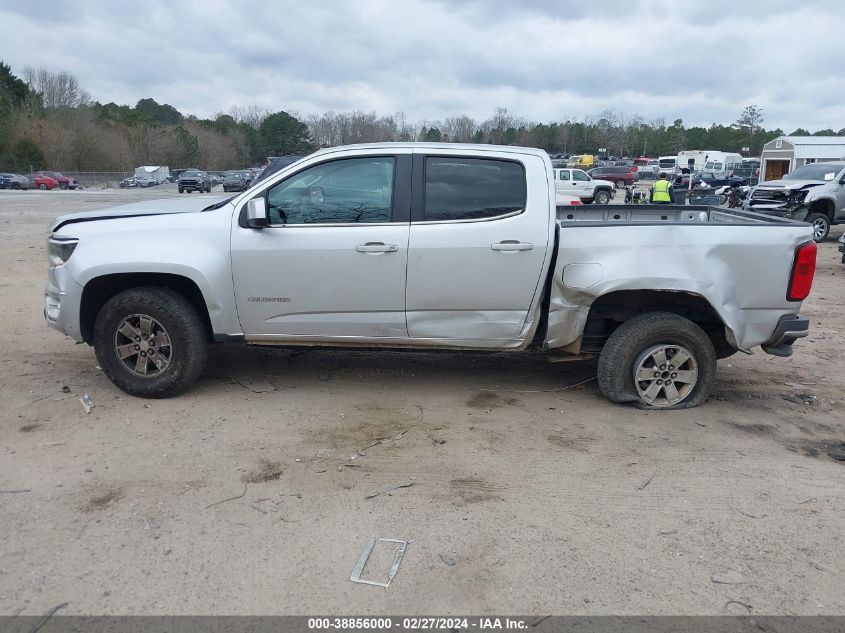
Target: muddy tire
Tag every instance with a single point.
(150, 342)
(658, 360)
(821, 226)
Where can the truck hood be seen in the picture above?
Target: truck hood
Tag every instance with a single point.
(137, 209)
(792, 185)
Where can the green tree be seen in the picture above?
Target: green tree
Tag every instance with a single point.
(800, 132)
(432, 135)
(22, 156)
(150, 111)
(280, 134)
(188, 146)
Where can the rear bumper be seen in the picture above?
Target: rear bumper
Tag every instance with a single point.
(788, 330)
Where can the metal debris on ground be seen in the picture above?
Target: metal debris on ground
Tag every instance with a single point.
(87, 403)
(434, 439)
(381, 440)
(646, 482)
(446, 559)
(667, 532)
(801, 398)
(365, 554)
(730, 578)
(388, 487)
(751, 515)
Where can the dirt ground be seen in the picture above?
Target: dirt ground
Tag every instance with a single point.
(248, 495)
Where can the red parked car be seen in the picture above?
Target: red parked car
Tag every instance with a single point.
(65, 182)
(621, 176)
(40, 181)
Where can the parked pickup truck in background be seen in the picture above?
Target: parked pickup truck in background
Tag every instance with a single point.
(813, 193)
(429, 246)
(576, 182)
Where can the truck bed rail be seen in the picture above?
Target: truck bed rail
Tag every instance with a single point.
(595, 214)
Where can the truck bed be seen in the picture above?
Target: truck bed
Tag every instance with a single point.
(738, 261)
(663, 214)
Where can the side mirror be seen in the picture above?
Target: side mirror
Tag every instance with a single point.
(256, 213)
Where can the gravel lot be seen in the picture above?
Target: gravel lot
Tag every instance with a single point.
(526, 498)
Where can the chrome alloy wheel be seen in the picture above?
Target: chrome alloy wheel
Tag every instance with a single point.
(819, 228)
(143, 346)
(665, 375)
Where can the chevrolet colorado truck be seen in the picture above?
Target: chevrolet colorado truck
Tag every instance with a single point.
(429, 246)
(813, 193)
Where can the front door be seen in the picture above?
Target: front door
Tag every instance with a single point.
(776, 169)
(583, 184)
(479, 241)
(332, 262)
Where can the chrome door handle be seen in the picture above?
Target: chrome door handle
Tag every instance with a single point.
(512, 245)
(376, 247)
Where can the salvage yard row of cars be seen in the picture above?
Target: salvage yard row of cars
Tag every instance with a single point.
(39, 180)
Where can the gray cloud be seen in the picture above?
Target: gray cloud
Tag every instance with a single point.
(541, 59)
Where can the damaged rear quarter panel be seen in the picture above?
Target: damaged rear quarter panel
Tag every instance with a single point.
(742, 271)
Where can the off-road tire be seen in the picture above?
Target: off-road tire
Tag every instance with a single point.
(188, 337)
(602, 197)
(823, 221)
(629, 341)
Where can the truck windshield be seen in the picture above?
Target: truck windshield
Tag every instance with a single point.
(816, 171)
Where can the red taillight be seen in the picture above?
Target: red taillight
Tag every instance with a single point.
(575, 202)
(803, 269)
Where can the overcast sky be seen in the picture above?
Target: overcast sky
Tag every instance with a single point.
(542, 60)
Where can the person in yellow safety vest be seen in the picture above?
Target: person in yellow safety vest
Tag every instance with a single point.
(662, 192)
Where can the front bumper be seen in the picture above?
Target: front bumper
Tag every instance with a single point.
(789, 329)
(62, 301)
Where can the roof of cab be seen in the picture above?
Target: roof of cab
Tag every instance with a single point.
(453, 147)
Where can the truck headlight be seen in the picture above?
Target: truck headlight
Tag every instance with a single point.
(59, 250)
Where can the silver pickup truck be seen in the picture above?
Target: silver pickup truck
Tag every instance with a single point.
(431, 246)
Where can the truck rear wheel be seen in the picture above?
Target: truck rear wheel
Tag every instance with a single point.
(602, 197)
(658, 360)
(150, 342)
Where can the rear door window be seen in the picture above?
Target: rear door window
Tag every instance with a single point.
(472, 188)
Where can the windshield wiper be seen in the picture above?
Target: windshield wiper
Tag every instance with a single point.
(218, 205)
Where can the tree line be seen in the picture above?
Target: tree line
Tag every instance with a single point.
(48, 121)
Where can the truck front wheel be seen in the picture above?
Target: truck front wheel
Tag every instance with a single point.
(150, 342)
(658, 360)
(821, 225)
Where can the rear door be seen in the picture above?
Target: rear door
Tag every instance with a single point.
(564, 183)
(332, 263)
(480, 233)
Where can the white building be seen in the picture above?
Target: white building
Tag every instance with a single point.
(785, 153)
(158, 173)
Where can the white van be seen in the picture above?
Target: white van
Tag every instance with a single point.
(666, 165)
(722, 161)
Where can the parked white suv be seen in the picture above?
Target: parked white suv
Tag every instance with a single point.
(576, 182)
